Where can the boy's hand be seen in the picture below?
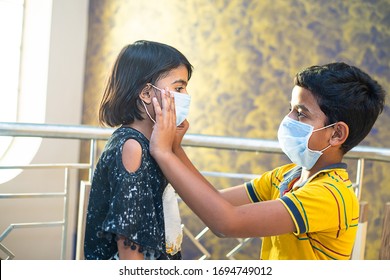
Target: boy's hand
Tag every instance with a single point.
(164, 130)
(180, 131)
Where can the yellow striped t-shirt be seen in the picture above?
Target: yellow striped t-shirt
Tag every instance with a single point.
(325, 211)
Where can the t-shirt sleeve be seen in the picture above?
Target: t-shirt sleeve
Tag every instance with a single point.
(263, 187)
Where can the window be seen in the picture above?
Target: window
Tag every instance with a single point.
(11, 15)
(24, 55)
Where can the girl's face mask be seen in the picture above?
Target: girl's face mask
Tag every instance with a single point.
(182, 106)
(294, 138)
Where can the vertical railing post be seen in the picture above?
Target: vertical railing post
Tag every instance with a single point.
(85, 188)
(359, 178)
(92, 158)
(65, 215)
(384, 252)
(360, 242)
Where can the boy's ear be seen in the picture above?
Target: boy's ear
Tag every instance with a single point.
(145, 95)
(340, 134)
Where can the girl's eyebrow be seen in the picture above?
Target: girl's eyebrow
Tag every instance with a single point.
(181, 81)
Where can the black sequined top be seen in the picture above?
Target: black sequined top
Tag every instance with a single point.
(125, 203)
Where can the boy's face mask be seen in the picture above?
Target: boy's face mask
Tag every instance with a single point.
(182, 106)
(294, 138)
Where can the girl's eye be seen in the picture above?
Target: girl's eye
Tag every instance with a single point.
(299, 114)
(179, 89)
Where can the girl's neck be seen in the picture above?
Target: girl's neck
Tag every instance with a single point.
(144, 126)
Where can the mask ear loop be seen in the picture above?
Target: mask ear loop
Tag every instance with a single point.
(321, 128)
(147, 112)
(330, 125)
(146, 109)
(154, 87)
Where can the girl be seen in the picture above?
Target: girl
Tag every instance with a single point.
(125, 218)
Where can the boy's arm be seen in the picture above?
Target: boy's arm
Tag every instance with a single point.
(224, 219)
(235, 195)
(181, 154)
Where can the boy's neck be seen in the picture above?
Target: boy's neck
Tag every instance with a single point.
(306, 174)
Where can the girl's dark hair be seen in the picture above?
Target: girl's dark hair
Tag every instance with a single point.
(345, 93)
(136, 65)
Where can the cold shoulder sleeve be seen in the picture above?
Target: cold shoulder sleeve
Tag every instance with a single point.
(132, 212)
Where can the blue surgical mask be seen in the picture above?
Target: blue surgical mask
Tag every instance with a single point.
(182, 105)
(294, 138)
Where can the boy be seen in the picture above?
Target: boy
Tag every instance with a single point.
(306, 209)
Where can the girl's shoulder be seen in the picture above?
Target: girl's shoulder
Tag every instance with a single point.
(124, 132)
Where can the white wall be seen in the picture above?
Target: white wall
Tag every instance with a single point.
(64, 106)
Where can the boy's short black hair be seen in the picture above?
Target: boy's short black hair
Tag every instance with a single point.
(345, 93)
(136, 65)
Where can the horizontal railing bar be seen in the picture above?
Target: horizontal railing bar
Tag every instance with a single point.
(271, 146)
(369, 153)
(84, 132)
(48, 166)
(230, 175)
(31, 195)
(231, 143)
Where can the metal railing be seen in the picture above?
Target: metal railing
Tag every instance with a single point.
(94, 134)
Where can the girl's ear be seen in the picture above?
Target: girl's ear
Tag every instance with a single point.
(145, 95)
(340, 134)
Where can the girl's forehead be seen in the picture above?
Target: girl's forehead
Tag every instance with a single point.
(179, 73)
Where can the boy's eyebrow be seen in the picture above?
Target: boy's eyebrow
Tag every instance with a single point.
(301, 107)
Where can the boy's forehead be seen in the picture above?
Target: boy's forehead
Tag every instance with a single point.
(303, 100)
(303, 97)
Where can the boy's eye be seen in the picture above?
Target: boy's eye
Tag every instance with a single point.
(300, 114)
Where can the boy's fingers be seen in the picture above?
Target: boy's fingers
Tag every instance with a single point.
(167, 94)
(156, 105)
(165, 102)
(172, 107)
(166, 112)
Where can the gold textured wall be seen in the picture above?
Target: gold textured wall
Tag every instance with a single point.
(245, 54)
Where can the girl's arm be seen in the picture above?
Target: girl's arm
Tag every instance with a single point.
(223, 218)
